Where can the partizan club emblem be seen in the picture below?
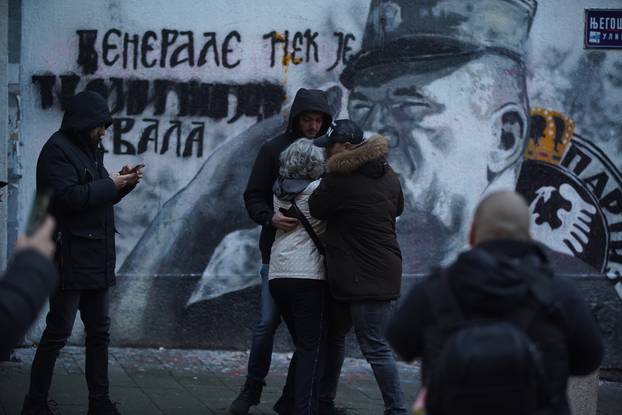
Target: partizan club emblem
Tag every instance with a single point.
(574, 193)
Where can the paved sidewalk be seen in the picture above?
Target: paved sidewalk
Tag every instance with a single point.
(152, 381)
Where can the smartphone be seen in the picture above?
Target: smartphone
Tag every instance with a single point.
(38, 211)
(290, 213)
(136, 168)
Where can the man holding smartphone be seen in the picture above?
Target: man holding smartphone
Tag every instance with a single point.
(70, 165)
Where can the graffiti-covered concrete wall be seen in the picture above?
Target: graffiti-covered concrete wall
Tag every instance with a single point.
(474, 95)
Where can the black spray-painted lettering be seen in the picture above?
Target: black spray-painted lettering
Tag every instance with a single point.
(46, 89)
(226, 50)
(171, 48)
(107, 46)
(127, 41)
(87, 55)
(299, 39)
(68, 85)
(123, 131)
(146, 46)
(194, 98)
(343, 48)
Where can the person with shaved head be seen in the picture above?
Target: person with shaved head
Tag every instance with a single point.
(494, 281)
(502, 215)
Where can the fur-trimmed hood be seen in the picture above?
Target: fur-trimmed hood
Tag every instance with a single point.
(371, 153)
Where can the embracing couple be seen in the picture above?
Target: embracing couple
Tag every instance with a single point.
(327, 201)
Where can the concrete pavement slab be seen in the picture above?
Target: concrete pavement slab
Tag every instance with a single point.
(165, 382)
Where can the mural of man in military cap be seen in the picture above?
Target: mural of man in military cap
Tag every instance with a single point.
(445, 81)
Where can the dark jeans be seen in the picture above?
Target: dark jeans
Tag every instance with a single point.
(369, 319)
(94, 312)
(301, 302)
(263, 335)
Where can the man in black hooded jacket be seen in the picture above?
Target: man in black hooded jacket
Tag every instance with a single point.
(568, 339)
(309, 117)
(70, 165)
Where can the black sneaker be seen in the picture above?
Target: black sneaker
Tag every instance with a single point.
(38, 407)
(103, 407)
(250, 395)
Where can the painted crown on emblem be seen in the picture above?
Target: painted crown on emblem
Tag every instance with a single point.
(550, 133)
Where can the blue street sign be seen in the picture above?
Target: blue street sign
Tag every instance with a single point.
(603, 28)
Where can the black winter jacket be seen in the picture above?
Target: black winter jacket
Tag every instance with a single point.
(361, 197)
(258, 193)
(83, 196)
(29, 280)
(569, 339)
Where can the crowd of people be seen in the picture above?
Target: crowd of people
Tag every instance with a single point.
(496, 330)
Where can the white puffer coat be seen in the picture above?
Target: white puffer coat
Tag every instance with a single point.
(294, 254)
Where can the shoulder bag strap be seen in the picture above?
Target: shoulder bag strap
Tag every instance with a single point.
(305, 223)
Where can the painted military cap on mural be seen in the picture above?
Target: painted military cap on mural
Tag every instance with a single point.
(411, 31)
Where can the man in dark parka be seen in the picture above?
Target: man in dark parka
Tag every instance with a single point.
(71, 167)
(360, 197)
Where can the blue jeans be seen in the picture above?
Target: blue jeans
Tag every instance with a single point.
(263, 336)
(369, 319)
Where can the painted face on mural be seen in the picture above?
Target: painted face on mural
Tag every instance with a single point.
(310, 123)
(453, 132)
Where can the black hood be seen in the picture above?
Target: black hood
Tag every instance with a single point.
(85, 111)
(497, 286)
(307, 100)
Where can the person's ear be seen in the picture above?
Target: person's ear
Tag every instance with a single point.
(347, 145)
(509, 128)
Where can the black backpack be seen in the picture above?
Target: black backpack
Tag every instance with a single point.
(487, 366)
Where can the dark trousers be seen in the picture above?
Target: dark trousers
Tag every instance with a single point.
(301, 302)
(94, 311)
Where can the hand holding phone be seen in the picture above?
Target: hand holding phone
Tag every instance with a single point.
(127, 170)
(136, 168)
(285, 219)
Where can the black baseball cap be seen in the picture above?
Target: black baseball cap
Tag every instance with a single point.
(340, 131)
